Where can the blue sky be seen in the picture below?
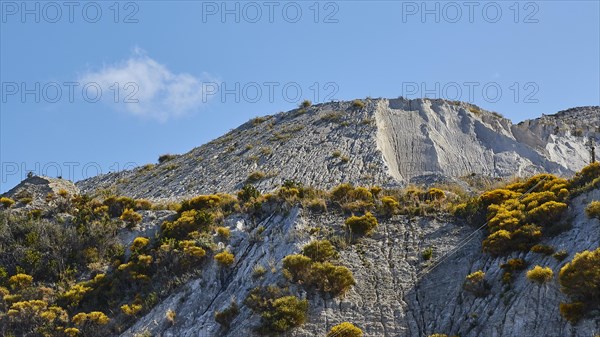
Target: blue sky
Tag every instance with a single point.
(172, 60)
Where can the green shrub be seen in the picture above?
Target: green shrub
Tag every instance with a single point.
(438, 335)
(389, 205)
(139, 243)
(255, 177)
(345, 329)
(166, 157)
(542, 249)
(427, 254)
(297, 267)
(572, 312)
(476, 284)
(279, 312)
(223, 232)
(361, 225)
(358, 104)
(248, 193)
(227, 315)
(580, 278)
(287, 312)
(188, 221)
(560, 255)
(330, 278)
(593, 209)
(6, 202)
(305, 104)
(336, 154)
(586, 176)
(131, 217)
(540, 274)
(320, 251)
(201, 203)
(225, 258)
(513, 265)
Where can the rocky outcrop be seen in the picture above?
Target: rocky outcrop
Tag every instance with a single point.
(385, 142)
(397, 293)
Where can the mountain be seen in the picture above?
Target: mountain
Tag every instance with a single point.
(369, 218)
(387, 142)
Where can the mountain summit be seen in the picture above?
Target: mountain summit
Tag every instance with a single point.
(388, 142)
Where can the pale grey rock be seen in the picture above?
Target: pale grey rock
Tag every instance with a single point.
(389, 142)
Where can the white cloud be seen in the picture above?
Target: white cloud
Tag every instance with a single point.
(148, 88)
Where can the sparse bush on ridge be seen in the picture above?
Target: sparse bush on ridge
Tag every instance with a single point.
(166, 157)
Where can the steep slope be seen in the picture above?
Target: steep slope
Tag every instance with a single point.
(374, 141)
(395, 293)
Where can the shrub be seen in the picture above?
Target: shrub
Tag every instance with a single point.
(6, 202)
(188, 221)
(170, 315)
(320, 251)
(223, 232)
(560, 255)
(225, 258)
(131, 217)
(345, 329)
(513, 265)
(498, 242)
(540, 274)
(593, 209)
(20, 281)
(316, 205)
(305, 104)
(389, 205)
(336, 154)
(427, 254)
(580, 278)
(542, 249)
(248, 193)
(201, 203)
(139, 243)
(476, 284)
(586, 176)
(572, 312)
(297, 267)
(435, 194)
(256, 176)
(131, 309)
(362, 225)
(286, 313)
(227, 315)
(166, 157)
(331, 278)
(438, 335)
(258, 271)
(358, 104)
(142, 204)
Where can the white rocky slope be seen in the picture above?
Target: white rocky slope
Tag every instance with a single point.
(386, 142)
(393, 295)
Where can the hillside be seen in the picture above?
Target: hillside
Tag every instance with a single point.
(374, 141)
(346, 219)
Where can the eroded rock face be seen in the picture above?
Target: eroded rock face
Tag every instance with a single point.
(396, 294)
(386, 142)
